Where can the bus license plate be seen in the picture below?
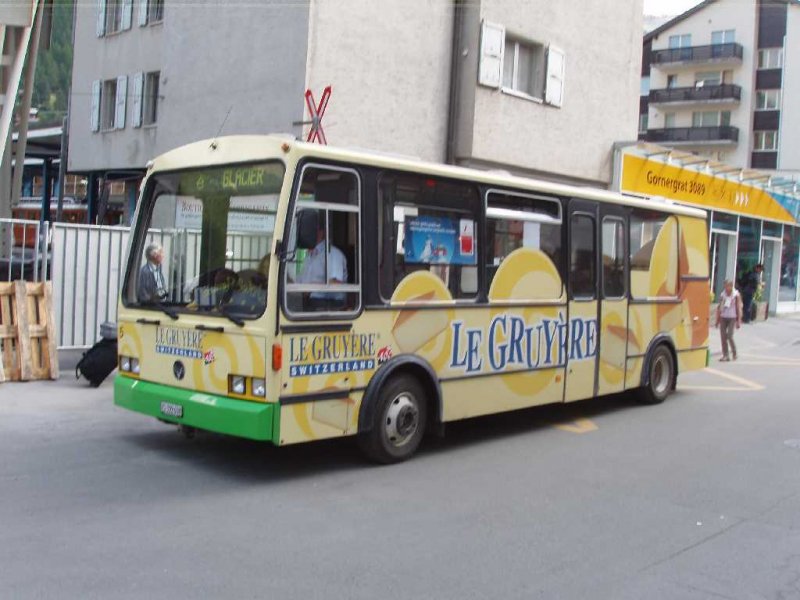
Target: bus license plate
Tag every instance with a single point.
(171, 410)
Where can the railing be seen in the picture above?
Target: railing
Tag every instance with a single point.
(714, 52)
(726, 91)
(24, 250)
(694, 134)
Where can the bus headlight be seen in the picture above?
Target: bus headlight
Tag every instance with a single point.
(237, 384)
(125, 364)
(135, 366)
(259, 387)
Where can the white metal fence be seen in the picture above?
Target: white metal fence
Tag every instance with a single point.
(86, 264)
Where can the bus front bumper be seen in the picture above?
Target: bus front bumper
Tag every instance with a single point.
(241, 418)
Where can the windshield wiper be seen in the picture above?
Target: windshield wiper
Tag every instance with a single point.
(232, 317)
(170, 312)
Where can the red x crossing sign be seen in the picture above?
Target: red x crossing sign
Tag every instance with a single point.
(316, 133)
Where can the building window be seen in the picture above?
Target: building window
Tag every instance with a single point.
(672, 81)
(768, 99)
(150, 97)
(669, 120)
(114, 11)
(711, 118)
(727, 36)
(643, 119)
(108, 104)
(680, 41)
(155, 12)
(644, 87)
(523, 67)
(770, 58)
(528, 68)
(707, 78)
(765, 141)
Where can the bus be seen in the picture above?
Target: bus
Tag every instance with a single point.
(289, 292)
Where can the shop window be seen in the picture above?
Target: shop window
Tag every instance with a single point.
(429, 224)
(645, 231)
(323, 265)
(613, 257)
(520, 221)
(789, 260)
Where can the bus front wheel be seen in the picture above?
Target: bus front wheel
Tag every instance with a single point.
(399, 422)
(661, 377)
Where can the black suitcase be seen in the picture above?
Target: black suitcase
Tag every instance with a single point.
(98, 362)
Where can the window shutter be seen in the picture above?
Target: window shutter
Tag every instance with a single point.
(490, 71)
(127, 13)
(101, 18)
(138, 90)
(122, 97)
(554, 90)
(95, 115)
(144, 5)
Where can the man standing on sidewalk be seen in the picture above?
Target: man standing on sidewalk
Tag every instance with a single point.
(729, 318)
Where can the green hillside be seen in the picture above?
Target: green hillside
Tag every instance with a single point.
(54, 67)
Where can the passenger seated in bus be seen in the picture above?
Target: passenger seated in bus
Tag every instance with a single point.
(151, 287)
(313, 270)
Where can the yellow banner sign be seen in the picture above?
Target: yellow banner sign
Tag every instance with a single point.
(643, 176)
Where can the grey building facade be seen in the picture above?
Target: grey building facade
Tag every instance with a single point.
(534, 87)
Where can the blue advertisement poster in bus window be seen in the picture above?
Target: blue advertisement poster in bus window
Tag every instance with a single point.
(439, 240)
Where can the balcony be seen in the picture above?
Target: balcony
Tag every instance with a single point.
(715, 53)
(705, 94)
(724, 135)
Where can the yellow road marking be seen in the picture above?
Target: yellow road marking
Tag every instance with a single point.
(746, 384)
(577, 426)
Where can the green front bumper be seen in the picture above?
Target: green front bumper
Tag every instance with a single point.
(253, 420)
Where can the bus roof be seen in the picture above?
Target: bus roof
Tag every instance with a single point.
(250, 148)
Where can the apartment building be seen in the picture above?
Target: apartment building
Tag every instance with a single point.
(488, 83)
(723, 80)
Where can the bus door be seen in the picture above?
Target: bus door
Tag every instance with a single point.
(613, 300)
(580, 344)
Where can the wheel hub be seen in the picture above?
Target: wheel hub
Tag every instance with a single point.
(402, 419)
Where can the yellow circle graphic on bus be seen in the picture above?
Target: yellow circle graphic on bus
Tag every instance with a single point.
(526, 274)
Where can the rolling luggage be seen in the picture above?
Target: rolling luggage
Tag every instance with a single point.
(98, 362)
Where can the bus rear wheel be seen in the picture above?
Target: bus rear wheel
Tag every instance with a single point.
(661, 377)
(399, 423)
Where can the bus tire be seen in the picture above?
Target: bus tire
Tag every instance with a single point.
(660, 376)
(399, 421)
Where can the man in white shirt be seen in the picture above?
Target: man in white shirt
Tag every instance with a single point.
(314, 271)
(151, 285)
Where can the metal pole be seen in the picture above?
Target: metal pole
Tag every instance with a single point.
(62, 166)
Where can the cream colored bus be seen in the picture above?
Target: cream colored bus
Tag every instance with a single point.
(288, 292)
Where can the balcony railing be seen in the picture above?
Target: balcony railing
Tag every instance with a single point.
(725, 133)
(715, 52)
(704, 93)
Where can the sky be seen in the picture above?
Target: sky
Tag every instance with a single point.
(668, 7)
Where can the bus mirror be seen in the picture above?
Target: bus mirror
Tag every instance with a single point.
(307, 228)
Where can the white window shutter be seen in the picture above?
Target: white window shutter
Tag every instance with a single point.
(144, 6)
(554, 90)
(121, 104)
(138, 91)
(127, 13)
(490, 70)
(95, 115)
(101, 18)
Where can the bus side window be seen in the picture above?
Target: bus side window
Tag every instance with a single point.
(645, 230)
(429, 225)
(613, 257)
(582, 274)
(323, 268)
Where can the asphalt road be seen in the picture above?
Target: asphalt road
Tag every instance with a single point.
(696, 498)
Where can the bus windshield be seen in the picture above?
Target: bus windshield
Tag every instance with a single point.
(204, 239)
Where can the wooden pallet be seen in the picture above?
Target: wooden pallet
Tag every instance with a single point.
(27, 332)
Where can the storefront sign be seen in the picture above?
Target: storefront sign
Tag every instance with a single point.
(648, 177)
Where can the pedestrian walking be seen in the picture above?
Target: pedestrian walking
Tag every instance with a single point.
(729, 318)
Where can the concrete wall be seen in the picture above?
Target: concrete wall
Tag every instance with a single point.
(250, 61)
(389, 65)
(789, 151)
(739, 15)
(602, 42)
